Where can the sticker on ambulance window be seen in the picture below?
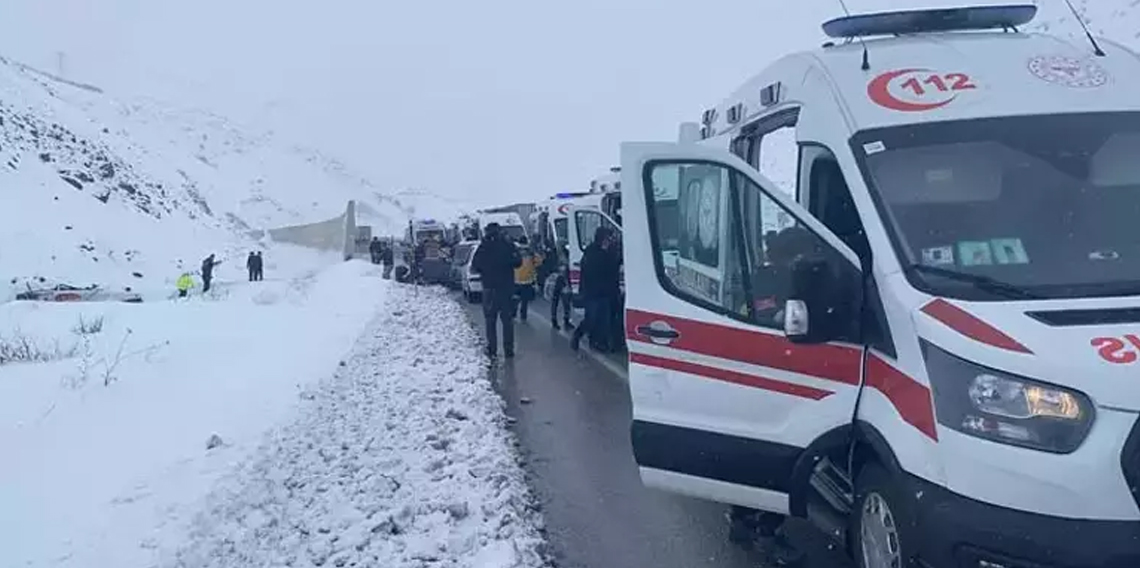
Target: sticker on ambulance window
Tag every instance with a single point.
(975, 253)
(872, 148)
(938, 256)
(1009, 251)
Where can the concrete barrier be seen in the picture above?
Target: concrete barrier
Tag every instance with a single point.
(336, 234)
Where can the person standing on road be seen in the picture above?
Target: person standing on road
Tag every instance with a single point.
(251, 266)
(599, 287)
(374, 249)
(524, 277)
(495, 261)
(561, 290)
(259, 266)
(387, 259)
(208, 272)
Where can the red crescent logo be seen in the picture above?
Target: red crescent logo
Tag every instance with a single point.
(564, 208)
(879, 91)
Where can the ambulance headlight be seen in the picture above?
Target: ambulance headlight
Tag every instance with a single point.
(1001, 407)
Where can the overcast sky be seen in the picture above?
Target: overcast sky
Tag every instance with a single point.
(490, 101)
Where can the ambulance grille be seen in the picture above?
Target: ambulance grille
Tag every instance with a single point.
(1130, 461)
(1073, 318)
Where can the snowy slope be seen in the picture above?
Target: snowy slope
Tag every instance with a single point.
(1115, 19)
(128, 192)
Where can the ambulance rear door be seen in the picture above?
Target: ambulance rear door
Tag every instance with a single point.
(584, 221)
(724, 401)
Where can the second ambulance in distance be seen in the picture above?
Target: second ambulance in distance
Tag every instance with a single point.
(933, 347)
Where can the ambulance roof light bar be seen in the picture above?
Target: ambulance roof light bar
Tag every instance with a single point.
(1007, 17)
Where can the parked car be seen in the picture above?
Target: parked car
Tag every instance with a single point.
(460, 256)
(469, 282)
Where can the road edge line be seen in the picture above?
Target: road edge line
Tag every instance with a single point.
(615, 369)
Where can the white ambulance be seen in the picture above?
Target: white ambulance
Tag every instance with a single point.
(552, 215)
(600, 208)
(510, 224)
(932, 347)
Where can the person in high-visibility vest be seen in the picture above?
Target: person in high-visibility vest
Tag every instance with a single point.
(524, 277)
(184, 284)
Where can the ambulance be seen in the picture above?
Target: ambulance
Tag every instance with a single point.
(510, 224)
(602, 208)
(551, 217)
(931, 347)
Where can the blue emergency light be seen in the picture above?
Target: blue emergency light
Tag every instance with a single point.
(569, 195)
(925, 21)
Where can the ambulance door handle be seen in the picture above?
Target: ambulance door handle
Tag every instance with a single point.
(658, 331)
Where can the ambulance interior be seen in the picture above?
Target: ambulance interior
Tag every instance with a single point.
(1001, 208)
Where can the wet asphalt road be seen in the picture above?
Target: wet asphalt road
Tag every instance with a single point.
(573, 417)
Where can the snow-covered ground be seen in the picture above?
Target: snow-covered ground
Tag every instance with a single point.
(388, 453)
(399, 460)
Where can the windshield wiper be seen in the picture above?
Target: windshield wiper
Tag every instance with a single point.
(980, 282)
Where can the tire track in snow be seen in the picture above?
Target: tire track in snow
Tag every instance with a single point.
(400, 460)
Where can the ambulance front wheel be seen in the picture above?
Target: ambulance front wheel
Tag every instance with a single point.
(882, 525)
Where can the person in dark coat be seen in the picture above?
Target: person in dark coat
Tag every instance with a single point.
(600, 288)
(208, 272)
(251, 266)
(387, 259)
(495, 262)
(374, 248)
(561, 292)
(259, 267)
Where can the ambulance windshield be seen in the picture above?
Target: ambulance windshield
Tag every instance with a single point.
(1046, 206)
(513, 232)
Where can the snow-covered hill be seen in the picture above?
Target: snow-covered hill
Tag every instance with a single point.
(1114, 19)
(125, 192)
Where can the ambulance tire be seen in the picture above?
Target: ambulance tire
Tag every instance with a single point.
(878, 498)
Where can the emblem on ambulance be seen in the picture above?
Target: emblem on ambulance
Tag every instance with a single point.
(1068, 71)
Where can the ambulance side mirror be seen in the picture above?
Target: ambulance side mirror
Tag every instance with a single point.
(824, 301)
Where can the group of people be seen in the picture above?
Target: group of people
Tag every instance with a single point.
(254, 263)
(510, 272)
(256, 266)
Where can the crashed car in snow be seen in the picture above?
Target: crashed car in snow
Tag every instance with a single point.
(69, 293)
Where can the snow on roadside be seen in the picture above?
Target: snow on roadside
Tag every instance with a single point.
(401, 460)
(99, 474)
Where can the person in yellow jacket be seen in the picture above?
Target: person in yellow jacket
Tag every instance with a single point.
(184, 284)
(525, 276)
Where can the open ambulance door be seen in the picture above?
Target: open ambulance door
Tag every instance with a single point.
(583, 222)
(725, 400)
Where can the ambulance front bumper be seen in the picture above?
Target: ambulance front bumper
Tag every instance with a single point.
(958, 532)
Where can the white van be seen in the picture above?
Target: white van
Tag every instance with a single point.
(932, 345)
(511, 224)
(551, 218)
(584, 221)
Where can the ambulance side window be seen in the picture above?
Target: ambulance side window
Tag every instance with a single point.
(587, 223)
(704, 218)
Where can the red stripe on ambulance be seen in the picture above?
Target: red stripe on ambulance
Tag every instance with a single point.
(969, 325)
(911, 398)
(729, 376)
(837, 363)
(831, 362)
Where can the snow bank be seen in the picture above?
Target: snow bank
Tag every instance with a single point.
(400, 460)
(103, 451)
